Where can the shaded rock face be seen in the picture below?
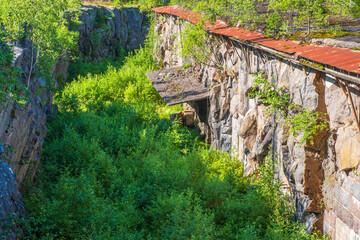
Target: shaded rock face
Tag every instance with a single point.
(22, 127)
(22, 131)
(106, 32)
(322, 178)
(10, 200)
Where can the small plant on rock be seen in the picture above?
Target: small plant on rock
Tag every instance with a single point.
(297, 119)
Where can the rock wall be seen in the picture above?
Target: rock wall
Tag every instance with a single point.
(322, 178)
(22, 127)
(103, 33)
(22, 131)
(107, 31)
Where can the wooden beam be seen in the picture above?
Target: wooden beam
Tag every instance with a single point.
(352, 105)
(304, 70)
(342, 87)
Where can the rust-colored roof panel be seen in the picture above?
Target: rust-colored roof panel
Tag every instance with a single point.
(289, 47)
(195, 18)
(341, 58)
(331, 59)
(239, 33)
(351, 66)
(335, 58)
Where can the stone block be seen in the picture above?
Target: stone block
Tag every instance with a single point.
(347, 148)
(342, 196)
(342, 230)
(356, 225)
(354, 207)
(343, 214)
(189, 117)
(330, 218)
(348, 185)
(249, 126)
(356, 190)
(328, 229)
(353, 235)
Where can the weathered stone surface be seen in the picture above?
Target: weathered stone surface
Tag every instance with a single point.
(7, 188)
(105, 31)
(344, 232)
(249, 124)
(314, 222)
(347, 148)
(343, 214)
(10, 198)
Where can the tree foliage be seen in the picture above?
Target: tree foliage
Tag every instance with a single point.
(10, 89)
(44, 23)
(198, 44)
(311, 13)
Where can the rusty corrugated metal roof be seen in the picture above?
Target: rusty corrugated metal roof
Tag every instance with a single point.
(240, 33)
(190, 16)
(341, 58)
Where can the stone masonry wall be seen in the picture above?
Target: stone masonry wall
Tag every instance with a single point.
(322, 178)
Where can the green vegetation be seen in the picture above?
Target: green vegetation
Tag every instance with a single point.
(45, 25)
(311, 13)
(9, 77)
(113, 169)
(198, 44)
(144, 5)
(243, 11)
(311, 64)
(299, 120)
(282, 17)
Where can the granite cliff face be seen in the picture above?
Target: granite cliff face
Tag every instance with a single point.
(319, 176)
(103, 33)
(107, 31)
